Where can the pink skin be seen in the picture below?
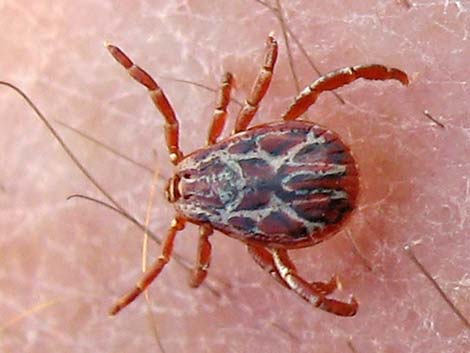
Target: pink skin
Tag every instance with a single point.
(415, 186)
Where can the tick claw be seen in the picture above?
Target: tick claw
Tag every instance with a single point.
(354, 304)
(339, 285)
(327, 287)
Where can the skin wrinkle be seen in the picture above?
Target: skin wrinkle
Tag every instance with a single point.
(86, 257)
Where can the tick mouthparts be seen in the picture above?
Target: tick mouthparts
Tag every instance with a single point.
(172, 192)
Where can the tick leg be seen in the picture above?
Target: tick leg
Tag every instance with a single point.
(220, 113)
(158, 98)
(308, 292)
(325, 288)
(203, 256)
(265, 260)
(259, 88)
(153, 271)
(338, 78)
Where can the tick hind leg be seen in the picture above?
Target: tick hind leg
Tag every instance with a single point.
(308, 291)
(158, 98)
(153, 271)
(338, 78)
(325, 288)
(264, 259)
(259, 88)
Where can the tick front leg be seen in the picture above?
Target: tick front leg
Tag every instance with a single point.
(153, 271)
(338, 78)
(259, 88)
(158, 98)
(203, 256)
(220, 113)
(308, 291)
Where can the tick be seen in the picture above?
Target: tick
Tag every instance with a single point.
(278, 186)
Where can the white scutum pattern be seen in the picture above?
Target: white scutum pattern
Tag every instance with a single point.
(233, 175)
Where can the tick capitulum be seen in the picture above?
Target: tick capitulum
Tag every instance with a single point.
(277, 186)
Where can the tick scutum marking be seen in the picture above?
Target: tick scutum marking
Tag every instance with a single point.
(287, 184)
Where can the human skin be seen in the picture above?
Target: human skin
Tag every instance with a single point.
(64, 263)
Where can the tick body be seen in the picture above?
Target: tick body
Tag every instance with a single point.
(277, 186)
(280, 185)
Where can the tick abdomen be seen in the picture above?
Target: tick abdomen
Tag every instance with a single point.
(287, 184)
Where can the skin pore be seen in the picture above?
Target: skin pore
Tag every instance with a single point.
(64, 263)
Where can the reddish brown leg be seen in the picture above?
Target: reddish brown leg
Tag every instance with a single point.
(203, 256)
(158, 98)
(325, 288)
(153, 271)
(259, 88)
(265, 260)
(338, 78)
(308, 291)
(220, 113)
